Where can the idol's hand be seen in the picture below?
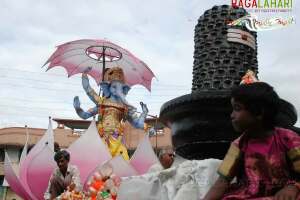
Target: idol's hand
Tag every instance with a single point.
(144, 108)
(76, 103)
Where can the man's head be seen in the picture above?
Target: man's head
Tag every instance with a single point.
(254, 104)
(166, 157)
(62, 159)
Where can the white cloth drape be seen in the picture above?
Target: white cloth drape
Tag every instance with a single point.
(189, 180)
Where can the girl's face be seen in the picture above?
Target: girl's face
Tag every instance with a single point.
(242, 120)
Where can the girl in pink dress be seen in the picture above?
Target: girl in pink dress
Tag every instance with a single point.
(265, 159)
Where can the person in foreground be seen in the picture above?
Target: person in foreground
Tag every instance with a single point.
(265, 160)
(166, 159)
(63, 177)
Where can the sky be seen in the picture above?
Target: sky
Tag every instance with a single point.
(160, 33)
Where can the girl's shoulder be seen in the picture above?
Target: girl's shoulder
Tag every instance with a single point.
(241, 141)
(237, 140)
(288, 137)
(286, 133)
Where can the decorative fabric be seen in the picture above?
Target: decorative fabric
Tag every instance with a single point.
(190, 180)
(249, 77)
(262, 166)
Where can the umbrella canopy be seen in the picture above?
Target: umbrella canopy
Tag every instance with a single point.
(80, 55)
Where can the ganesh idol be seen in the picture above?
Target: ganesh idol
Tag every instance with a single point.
(112, 109)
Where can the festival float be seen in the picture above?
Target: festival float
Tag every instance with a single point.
(200, 121)
(99, 153)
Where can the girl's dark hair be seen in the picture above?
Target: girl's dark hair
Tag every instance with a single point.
(259, 98)
(61, 153)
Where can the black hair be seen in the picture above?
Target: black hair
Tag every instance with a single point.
(259, 98)
(61, 153)
(56, 147)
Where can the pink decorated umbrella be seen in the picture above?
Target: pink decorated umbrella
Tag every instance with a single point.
(80, 55)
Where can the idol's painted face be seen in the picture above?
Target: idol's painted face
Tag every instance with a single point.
(242, 120)
(115, 87)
